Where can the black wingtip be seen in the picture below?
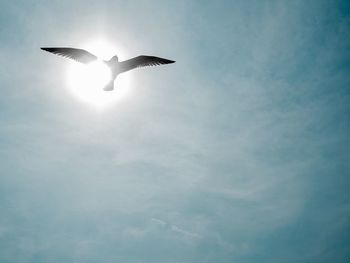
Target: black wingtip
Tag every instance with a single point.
(168, 61)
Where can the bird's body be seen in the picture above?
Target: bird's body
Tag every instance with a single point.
(113, 65)
(116, 67)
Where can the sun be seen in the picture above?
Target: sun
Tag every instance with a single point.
(86, 81)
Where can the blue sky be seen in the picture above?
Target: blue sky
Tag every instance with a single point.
(239, 152)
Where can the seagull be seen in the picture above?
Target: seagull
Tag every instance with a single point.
(116, 67)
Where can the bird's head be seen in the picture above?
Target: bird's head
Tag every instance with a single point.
(114, 59)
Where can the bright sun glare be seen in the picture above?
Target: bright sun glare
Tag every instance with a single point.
(86, 82)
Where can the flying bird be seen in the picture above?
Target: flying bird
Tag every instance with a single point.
(116, 67)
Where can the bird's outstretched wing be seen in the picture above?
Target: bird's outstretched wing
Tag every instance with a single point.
(76, 54)
(142, 61)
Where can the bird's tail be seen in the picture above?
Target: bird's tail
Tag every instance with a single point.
(109, 86)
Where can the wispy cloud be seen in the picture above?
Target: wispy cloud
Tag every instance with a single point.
(175, 228)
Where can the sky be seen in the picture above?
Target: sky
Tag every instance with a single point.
(238, 152)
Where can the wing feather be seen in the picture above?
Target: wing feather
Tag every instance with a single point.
(142, 61)
(79, 55)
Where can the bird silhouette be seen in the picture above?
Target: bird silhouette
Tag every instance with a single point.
(116, 67)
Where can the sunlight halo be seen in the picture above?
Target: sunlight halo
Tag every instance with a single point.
(86, 81)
